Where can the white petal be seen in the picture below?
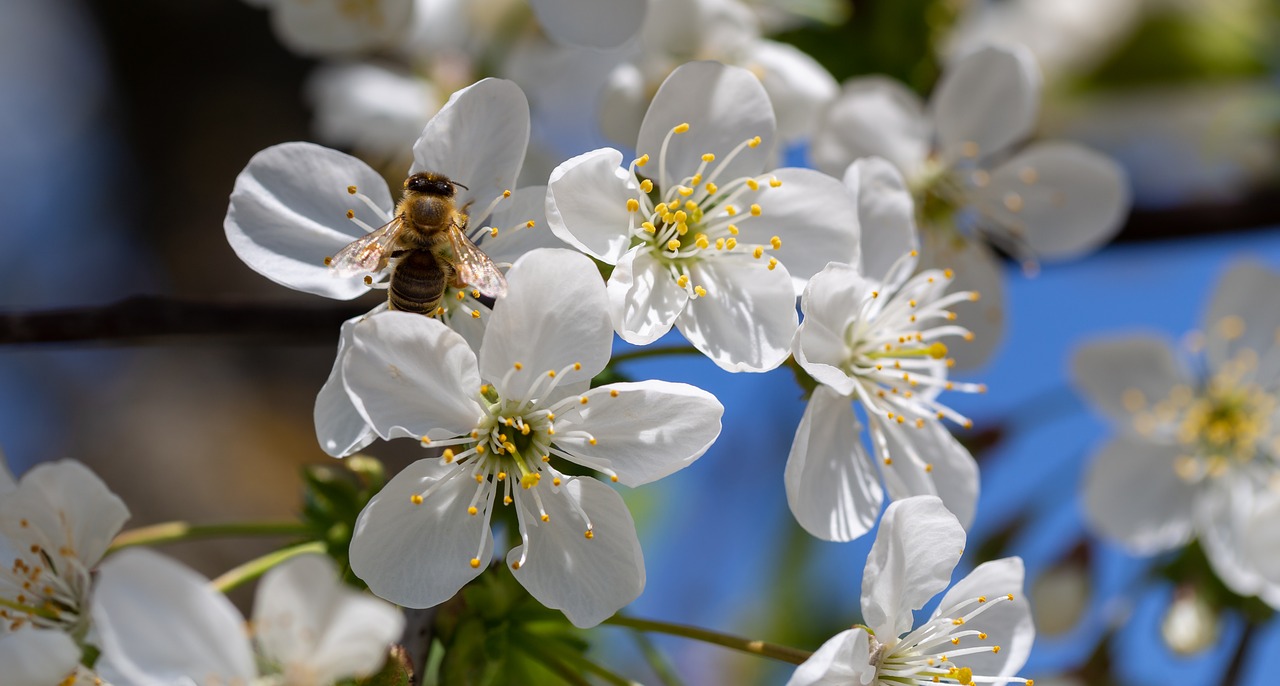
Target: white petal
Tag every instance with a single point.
(723, 107)
(798, 85)
(842, 661)
(588, 579)
(511, 218)
(1260, 539)
(645, 430)
(478, 139)
(410, 375)
(886, 218)
(989, 98)
(747, 319)
(1133, 495)
(340, 428)
(66, 504)
(1007, 624)
(590, 23)
(420, 555)
(555, 315)
(305, 617)
(1069, 200)
(643, 298)
(832, 486)
(288, 212)
(976, 269)
(622, 104)
(1123, 376)
(332, 27)
(872, 116)
(161, 623)
(587, 204)
(916, 548)
(814, 215)
(37, 657)
(832, 300)
(1244, 299)
(930, 461)
(1222, 514)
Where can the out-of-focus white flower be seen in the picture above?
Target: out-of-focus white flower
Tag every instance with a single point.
(678, 31)
(297, 203)
(503, 416)
(372, 109)
(1050, 200)
(980, 633)
(55, 525)
(782, 15)
(162, 623)
(872, 335)
(700, 237)
(1190, 625)
(337, 27)
(1197, 456)
(590, 23)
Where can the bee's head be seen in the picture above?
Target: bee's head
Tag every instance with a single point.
(432, 184)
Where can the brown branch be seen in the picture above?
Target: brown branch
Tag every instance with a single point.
(154, 320)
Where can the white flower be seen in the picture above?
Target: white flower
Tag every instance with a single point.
(375, 110)
(40, 657)
(296, 204)
(980, 633)
(872, 335)
(503, 417)
(590, 23)
(727, 31)
(699, 237)
(1049, 200)
(337, 27)
(1197, 456)
(161, 623)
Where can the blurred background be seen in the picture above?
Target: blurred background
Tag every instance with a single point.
(123, 126)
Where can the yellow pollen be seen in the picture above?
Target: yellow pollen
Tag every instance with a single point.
(968, 336)
(415, 499)
(920, 425)
(633, 205)
(583, 400)
(964, 675)
(875, 294)
(673, 244)
(648, 227)
(730, 210)
(982, 599)
(472, 510)
(682, 228)
(708, 157)
(773, 262)
(425, 440)
(712, 188)
(460, 295)
(754, 142)
(702, 242)
(702, 292)
(506, 500)
(577, 366)
(758, 252)
(589, 534)
(685, 191)
(506, 194)
(1009, 596)
(995, 649)
(530, 224)
(493, 232)
(551, 373)
(975, 296)
(546, 517)
(775, 242)
(646, 186)
(691, 206)
(755, 210)
(681, 128)
(555, 481)
(719, 244)
(592, 441)
(351, 214)
(661, 209)
(731, 243)
(613, 478)
(733, 229)
(352, 190)
(948, 273)
(683, 281)
(519, 366)
(641, 161)
(888, 461)
(502, 476)
(475, 314)
(955, 641)
(982, 635)
(938, 351)
(774, 182)
(753, 184)
(613, 393)
(475, 563)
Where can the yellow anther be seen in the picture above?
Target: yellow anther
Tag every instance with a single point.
(519, 366)
(642, 160)
(633, 205)
(719, 244)
(661, 209)
(920, 425)
(911, 303)
(775, 242)
(352, 190)
(475, 563)
(551, 373)
(680, 216)
(702, 292)
(475, 314)
(681, 128)
(683, 281)
(493, 232)
(684, 191)
(755, 210)
(530, 480)
(773, 262)
(351, 214)
(774, 182)
(673, 244)
(646, 186)
(913, 253)
(472, 511)
(475, 293)
(758, 252)
(613, 393)
(506, 500)
(975, 296)
(460, 295)
(968, 336)
(368, 280)
(425, 440)
(589, 534)
(682, 228)
(648, 227)
(712, 188)
(613, 478)
(995, 649)
(502, 476)
(1009, 596)
(753, 184)
(695, 179)
(982, 635)
(708, 157)
(415, 499)
(515, 565)
(948, 273)
(927, 468)
(702, 242)
(938, 350)
(583, 400)
(888, 461)
(546, 517)
(968, 424)
(530, 224)
(555, 481)
(964, 675)
(506, 194)
(955, 641)
(731, 243)
(591, 440)
(691, 206)
(754, 142)
(730, 210)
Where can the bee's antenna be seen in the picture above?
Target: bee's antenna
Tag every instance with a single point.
(459, 185)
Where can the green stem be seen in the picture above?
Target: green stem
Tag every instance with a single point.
(259, 566)
(654, 352)
(172, 532)
(556, 665)
(568, 655)
(777, 652)
(657, 661)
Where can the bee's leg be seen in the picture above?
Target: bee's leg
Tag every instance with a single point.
(452, 277)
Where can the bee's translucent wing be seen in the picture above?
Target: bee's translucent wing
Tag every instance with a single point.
(368, 253)
(474, 267)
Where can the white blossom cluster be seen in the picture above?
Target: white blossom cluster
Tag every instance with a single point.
(862, 275)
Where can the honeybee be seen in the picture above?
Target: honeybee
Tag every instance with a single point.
(427, 240)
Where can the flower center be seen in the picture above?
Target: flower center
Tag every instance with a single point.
(928, 654)
(511, 448)
(699, 215)
(45, 586)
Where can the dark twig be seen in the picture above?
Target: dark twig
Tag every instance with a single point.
(151, 320)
